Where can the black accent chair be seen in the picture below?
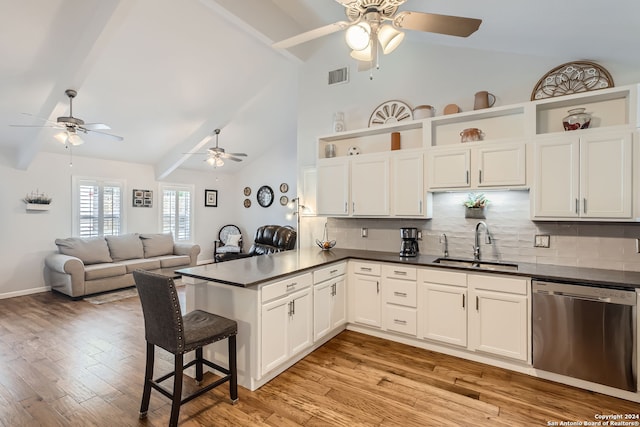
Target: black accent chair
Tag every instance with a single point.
(166, 327)
(269, 239)
(229, 242)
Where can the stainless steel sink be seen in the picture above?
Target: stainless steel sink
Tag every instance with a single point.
(480, 265)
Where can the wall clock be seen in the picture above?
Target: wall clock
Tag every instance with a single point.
(265, 196)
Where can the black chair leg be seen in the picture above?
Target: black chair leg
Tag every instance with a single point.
(177, 391)
(148, 378)
(199, 372)
(233, 370)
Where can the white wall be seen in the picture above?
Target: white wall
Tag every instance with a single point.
(29, 236)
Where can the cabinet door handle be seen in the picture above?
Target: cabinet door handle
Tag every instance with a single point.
(400, 321)
(333, 271)
(577, 206)
(584, 205)
(334, 289)
(290, 308)
(353, 207)
(400, 273)
(345, 207)
(400, 294)
(462, 300)
(480, 176)
(291, 286)
(293, 307)
(420, 206)
(467, 177)
(365, 268)
(477, 304)
(377, 286)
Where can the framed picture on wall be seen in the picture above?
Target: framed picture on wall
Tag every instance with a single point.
(211, 198)
(142, 198)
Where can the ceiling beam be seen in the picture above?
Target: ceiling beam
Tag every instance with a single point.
(264, 21)
(99, 22)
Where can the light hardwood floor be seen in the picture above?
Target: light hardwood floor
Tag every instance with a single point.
(71, 363)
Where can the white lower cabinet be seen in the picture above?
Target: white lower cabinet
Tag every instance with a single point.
(499, 316)
(443, 306)
(486, 313)
(400, 299)
(287, 320)
(365, 294)
(329, 300)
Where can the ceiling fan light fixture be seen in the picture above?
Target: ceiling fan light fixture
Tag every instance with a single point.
(363, 55)
(389, 38)
(219, 162)
(211, 161)
(358, 36)
(69, 137)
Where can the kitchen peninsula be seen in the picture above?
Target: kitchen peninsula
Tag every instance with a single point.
(289, 304)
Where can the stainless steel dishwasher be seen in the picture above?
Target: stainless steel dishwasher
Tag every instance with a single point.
(585, 332)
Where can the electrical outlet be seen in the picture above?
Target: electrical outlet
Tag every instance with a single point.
(364, 232)
(419, 235)
(638, 246)
(541, 241)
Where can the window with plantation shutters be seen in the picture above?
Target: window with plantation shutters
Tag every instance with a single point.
(177, 211)
(98, 207)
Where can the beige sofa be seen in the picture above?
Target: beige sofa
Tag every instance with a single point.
(86, 266)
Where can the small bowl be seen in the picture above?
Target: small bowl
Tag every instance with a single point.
(325, 245)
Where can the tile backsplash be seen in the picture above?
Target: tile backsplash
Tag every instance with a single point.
(596, 245)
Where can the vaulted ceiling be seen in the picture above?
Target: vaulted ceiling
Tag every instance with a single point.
(165, 73)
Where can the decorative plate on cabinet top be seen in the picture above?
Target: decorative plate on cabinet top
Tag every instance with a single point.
(390, 112)
(570, 78)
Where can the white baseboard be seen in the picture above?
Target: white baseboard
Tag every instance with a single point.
(25, 292)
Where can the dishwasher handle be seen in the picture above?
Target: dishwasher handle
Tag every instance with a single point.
(576, 296)
(585, 292)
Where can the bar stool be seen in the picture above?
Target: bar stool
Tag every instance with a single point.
(166, 327)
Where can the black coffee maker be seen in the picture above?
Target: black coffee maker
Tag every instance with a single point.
(409, 243)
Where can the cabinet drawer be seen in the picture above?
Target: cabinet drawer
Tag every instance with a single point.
(508, 284)
(367, 268)
(285, 287)
(399, 272)
(402, 292)
(444, 277)
(401, 319)
(329, 272)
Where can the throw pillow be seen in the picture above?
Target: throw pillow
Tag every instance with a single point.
(91, 250)
(157, 244)
(126, 246)
(234, 239)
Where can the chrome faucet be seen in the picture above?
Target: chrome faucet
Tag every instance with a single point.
(445, 248)
(476, 247)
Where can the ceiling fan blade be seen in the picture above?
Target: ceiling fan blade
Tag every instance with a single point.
(310, 35)
(238, 154)
(96, 126)
(235, 159)
(38, 126)
(434, 23)
(103, 134)
(47, 121)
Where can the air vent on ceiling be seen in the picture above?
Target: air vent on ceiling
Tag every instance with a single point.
(339, 76)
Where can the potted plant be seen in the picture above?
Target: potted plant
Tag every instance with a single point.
(37, 201)
(475, 205)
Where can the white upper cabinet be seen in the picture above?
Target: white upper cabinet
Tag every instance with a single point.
(408, 184)
(370, 186)
(584, 176)
(332, 191)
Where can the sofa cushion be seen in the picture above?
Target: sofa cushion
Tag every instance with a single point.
(102, 271)
(91, 250)
(142, 264)
(126, 246)
(174, 261)
(157, 244)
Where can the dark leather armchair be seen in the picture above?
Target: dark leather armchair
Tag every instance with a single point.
(269, 239)
(273, 238)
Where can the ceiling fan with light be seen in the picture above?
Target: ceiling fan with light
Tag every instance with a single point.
(72, 126)
(374, 24)
(216, 155)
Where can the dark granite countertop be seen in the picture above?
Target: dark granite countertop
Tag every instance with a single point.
(248, 272)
